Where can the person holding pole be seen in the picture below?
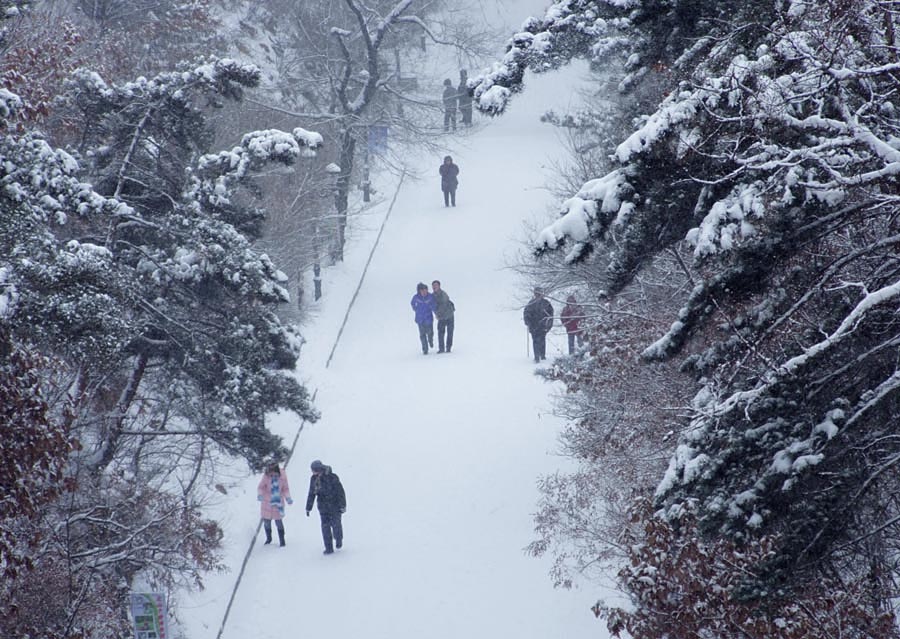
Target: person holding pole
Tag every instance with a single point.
(538, 316)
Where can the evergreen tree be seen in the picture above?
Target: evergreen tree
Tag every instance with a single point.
(129, 262)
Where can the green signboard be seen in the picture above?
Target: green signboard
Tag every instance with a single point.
(149, 613)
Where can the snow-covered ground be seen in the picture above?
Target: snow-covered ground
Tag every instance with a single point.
(439, 454)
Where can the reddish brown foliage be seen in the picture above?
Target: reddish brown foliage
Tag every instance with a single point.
(683, 587)
(35, 68)
(33, 453)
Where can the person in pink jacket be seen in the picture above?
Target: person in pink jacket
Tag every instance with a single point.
(272, 493)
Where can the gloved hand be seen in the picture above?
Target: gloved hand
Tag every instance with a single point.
(343, 510)
(259, 498)
(290, 501)
(307, 513)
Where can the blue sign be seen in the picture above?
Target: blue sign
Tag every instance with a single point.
(378, 137)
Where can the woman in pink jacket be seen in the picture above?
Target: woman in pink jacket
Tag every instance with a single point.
(273, 491)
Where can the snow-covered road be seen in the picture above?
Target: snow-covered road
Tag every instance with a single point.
(439, 454)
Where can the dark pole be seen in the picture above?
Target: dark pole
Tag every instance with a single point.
(317, 270)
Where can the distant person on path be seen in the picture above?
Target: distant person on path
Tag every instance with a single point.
(272, 493)
(449, 181)
(443, 310)
(538, 316)
(325, 488)
(571, 317)
(465, 100)
(423, 305)
(449, 98)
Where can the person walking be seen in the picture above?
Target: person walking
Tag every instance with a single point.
(464, 99)
(423, 306)
(449, 180)
(538, 316)
(571, 317)
(449, 98)
(326, 490)
(272, 493)
(444, 310)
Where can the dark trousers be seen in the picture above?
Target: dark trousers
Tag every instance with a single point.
(539, 342)
(426, 336)
(450, 197)
(449, 119)
(466, 112)
(445, 327)
(332, 530)
(279, 525)
(572, 337)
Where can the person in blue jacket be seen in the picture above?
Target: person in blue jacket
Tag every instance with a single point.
(423, 305)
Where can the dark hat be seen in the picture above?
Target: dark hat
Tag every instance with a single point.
(448, 82)
(316, 466)
(538, 290)
(421, 286)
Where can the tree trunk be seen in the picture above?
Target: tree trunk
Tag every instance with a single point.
(348, 145)
(120, 412)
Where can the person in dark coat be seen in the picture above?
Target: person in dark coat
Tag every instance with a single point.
(538, 316)
(326, 489)
(571, 317)
(449, 181)
(449, 98)
(423, 306)
(444, 310)
(464, 99)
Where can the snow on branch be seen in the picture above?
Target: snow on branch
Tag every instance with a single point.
(849, 324)
(9, 103)
(568, 30)
(217, 170)
(224, 76)
(391, 18)
(586, 215)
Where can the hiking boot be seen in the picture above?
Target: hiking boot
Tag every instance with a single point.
(328, 551)
(339, 544)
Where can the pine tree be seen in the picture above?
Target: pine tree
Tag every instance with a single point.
(128, 269)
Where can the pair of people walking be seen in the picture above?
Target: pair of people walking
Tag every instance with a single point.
(325, 489)
(538, 316)
(457, 98)
(426, 307)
